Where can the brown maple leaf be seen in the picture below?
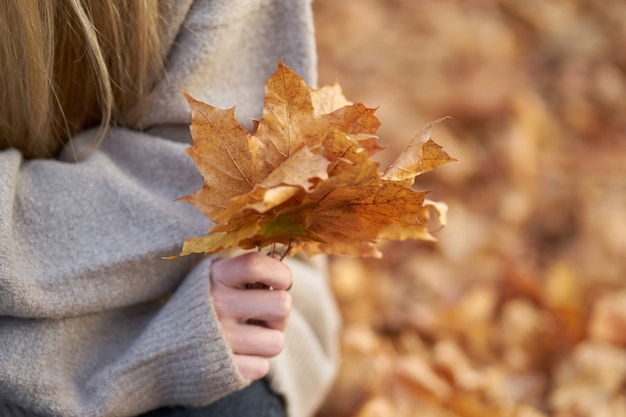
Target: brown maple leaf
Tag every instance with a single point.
(420, 156)
(303, 177)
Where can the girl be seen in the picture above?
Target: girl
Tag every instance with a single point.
(93, 132)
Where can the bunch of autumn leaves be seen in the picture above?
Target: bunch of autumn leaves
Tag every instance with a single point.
(304, 178)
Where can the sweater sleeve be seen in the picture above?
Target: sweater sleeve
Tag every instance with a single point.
(90, 236)
(93, 322)
(122, 362)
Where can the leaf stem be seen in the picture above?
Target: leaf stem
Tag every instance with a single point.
(286, 251)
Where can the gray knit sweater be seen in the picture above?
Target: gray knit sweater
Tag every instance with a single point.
(93, 322)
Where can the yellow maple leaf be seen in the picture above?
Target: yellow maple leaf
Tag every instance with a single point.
(303, 177)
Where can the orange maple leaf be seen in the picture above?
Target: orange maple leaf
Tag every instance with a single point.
(303, 177)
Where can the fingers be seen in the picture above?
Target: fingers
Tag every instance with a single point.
(266, 308)
(254, 340)
(252, 317)
(251, 268)
(252, 347)
(240, 293)
(252, 367)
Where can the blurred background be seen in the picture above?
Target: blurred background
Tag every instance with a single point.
(519, 308)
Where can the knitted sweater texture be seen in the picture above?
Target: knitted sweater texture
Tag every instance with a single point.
(93, 322)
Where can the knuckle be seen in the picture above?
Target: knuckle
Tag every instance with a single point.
(222, 303)
(216, 269)
(276, 343)
(219, 306)
(283, 303)
(252, 367)
(261, 369)
(231, 337)
(284, 273)
(250, 261)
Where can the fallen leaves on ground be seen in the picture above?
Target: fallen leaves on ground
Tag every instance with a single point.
(518, 310)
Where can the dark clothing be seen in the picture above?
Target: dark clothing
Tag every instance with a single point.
(256, 400)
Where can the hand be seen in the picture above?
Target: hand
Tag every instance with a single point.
(253, 306)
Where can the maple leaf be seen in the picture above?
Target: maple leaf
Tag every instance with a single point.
(303, 177)
(420, 156)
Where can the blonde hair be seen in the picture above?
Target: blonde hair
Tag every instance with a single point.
(68, 65)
